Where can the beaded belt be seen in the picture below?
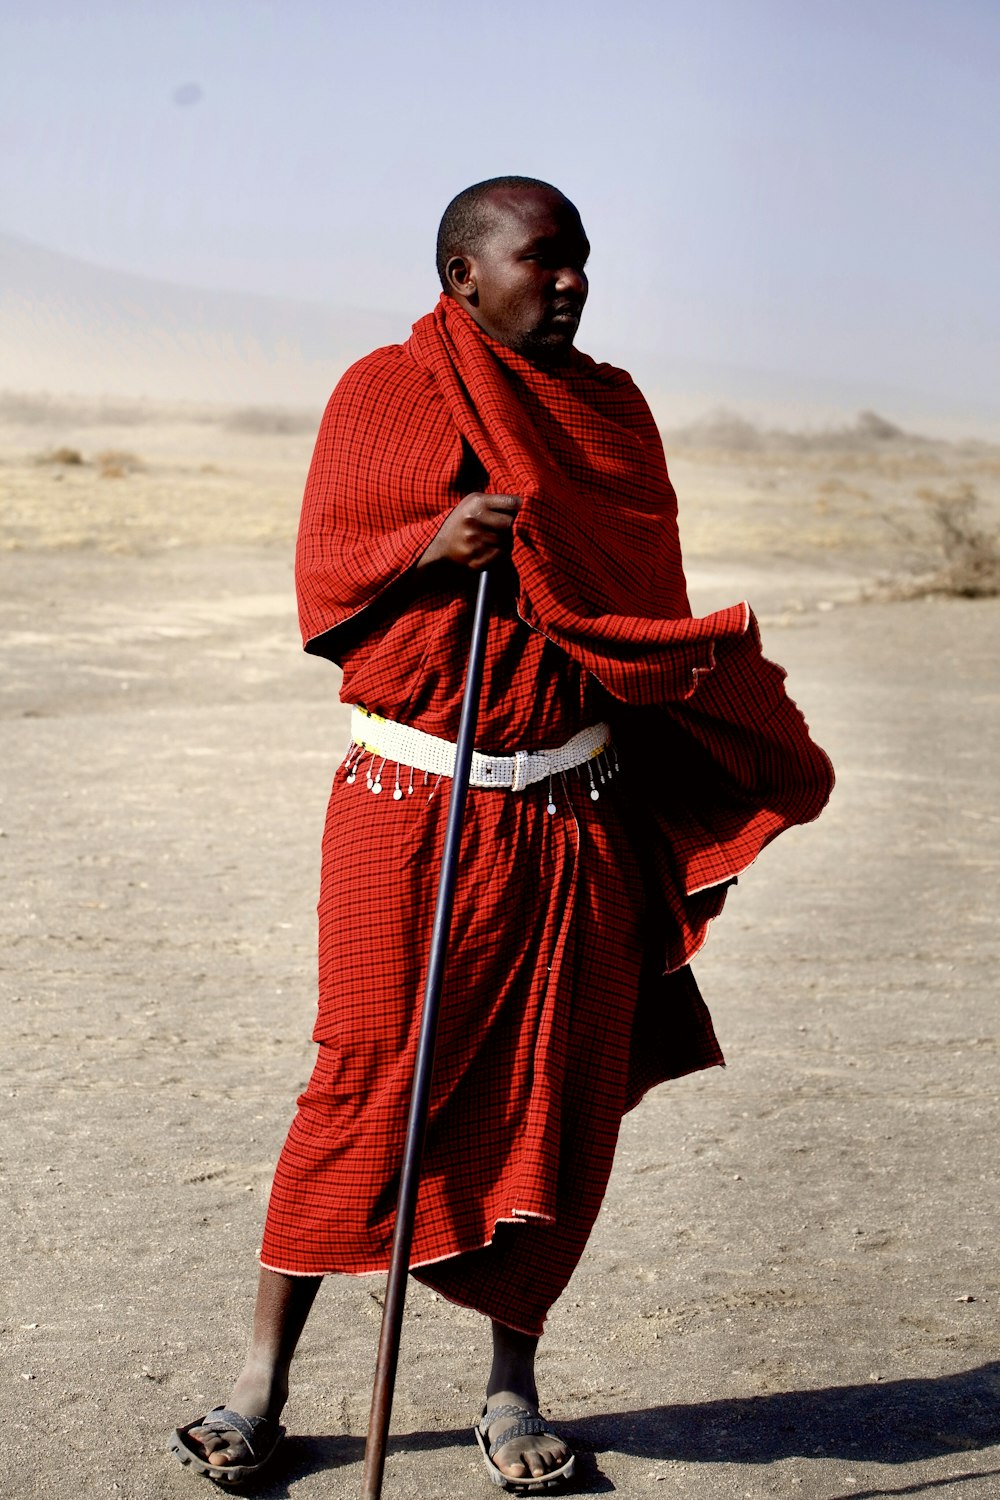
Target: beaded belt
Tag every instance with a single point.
(386, 742)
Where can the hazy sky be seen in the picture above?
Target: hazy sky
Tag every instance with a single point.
(803, 185)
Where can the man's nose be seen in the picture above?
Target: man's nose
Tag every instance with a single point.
(572, 279)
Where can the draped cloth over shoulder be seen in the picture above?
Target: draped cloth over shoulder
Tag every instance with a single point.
(725, 756)
(567, 992)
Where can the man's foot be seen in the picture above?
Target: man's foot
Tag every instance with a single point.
(525, 1456)
(253, 1395)
(233, 1443)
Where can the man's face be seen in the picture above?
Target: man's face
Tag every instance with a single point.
(526, 284)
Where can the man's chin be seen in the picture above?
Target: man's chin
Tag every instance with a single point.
(550, 344)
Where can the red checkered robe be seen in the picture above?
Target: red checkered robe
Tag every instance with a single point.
(567, 992)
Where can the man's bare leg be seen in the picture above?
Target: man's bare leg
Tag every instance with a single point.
(512, 1382)
(261, 1389)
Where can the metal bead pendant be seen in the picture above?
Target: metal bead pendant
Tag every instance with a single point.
(595, 795)
(550, 809)
(397, 795)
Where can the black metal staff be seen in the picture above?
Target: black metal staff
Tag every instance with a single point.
(416, 1126)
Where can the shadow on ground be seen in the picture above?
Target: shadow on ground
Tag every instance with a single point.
(892, 1422)
(895, 1422)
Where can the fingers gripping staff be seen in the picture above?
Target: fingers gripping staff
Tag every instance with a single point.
(392, 1314)
(476, 533)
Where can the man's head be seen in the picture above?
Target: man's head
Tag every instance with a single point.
(512, 252)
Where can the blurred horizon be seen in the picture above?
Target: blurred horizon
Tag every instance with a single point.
(790, 206)
(69, 328)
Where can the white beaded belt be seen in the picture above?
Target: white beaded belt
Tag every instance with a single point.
(388, 743)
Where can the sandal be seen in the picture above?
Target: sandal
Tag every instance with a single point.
(525, 1424)
(262, 1435)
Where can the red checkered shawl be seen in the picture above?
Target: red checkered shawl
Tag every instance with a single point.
(726, 756)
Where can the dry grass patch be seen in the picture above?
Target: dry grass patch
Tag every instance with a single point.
(66, 457)
(270, 421)
(968, 566)
(971, 568)
(116, 463)
(727, 431)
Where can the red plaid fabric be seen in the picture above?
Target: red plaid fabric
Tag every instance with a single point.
(557, 1014)
(553, 1023)
(728, 756)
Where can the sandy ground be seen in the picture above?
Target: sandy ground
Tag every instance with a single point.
(792, 1290)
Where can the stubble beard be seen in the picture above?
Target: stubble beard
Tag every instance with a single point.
(545, 345)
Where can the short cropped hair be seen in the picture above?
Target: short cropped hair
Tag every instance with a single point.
(466, 221)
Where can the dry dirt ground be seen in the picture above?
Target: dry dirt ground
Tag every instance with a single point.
(792, 1290)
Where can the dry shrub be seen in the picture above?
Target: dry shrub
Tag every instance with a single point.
(270, 421)
(718, 429)
(729, 432)
(970, 551)
(18, 406)
(64, 456)
(115, 463)
(41, 409)
(870, 425)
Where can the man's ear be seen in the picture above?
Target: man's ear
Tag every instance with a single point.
(461, 277)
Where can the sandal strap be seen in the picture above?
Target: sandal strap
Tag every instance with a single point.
(221, 1419)
(523, 1427)
(494, 1413)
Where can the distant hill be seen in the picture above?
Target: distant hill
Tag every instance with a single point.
(67, 326)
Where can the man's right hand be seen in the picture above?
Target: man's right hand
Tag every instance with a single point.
(475, 533)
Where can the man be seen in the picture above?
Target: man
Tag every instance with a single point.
(635, 760)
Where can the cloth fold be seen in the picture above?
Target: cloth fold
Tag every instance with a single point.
(726, 758)
(567, 993)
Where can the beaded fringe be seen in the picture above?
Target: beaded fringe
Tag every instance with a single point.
(401, 779)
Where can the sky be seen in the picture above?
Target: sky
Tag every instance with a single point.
(804, 186)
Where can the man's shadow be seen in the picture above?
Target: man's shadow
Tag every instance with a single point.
(892, 1422)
